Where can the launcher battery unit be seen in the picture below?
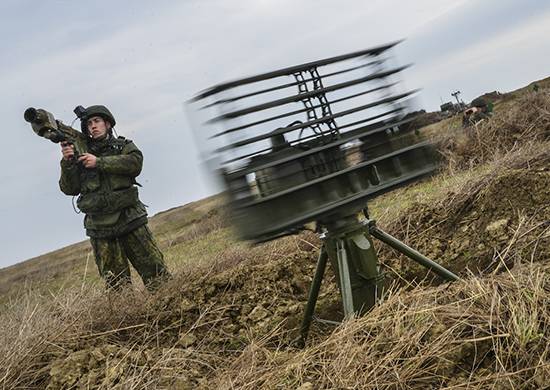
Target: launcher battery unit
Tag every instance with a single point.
(313, 143)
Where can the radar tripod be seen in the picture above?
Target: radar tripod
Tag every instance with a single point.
(347, 243)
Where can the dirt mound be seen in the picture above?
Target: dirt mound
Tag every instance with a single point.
(197, 321)
(451, 335)
(480, 334)
(498, 218)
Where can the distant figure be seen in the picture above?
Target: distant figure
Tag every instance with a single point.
(116, 220)
(535, 87)
(479, 110)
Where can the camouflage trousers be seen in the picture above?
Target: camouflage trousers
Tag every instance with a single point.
(139, 248)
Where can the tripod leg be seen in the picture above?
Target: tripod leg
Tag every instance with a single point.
(313, 295)
(344, 275)
(412, 254)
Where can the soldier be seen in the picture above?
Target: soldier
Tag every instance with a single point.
(479, 110)
(116, 220)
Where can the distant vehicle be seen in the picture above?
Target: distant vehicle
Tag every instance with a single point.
(450, 108)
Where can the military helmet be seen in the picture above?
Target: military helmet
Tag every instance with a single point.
(96, 110)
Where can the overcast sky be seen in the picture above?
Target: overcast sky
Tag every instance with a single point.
(144, 59)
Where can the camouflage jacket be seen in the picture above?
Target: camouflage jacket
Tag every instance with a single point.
(107, 194)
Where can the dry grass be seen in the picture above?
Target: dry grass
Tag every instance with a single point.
(64, 267)
(515, 125)
(490, 333)
(83, 337)
(475, 216)
(43, 269)
(31, 328)
(480, 333)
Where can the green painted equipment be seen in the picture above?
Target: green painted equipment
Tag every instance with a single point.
(318, 154)
(45, 125)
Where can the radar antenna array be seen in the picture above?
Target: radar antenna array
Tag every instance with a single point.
(316, 148)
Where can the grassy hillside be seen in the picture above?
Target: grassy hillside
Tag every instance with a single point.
(228, 317)
(75, 263)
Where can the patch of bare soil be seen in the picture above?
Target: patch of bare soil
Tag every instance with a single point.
(497, 219)
(490, 333)
(199, 320)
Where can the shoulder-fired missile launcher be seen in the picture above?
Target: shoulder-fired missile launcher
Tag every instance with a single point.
(45, 125)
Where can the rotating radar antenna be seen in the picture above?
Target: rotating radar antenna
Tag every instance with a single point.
(314, 143)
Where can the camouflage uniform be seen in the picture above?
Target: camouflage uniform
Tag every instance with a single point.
(482, 113)
(116, 220)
